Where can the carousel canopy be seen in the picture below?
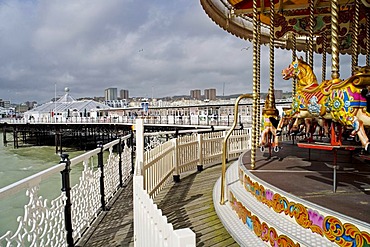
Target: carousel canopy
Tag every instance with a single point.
(292, 17)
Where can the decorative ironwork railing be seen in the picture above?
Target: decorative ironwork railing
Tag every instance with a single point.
(72, 212)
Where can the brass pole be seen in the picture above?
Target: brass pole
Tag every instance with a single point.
(354, 35)
(367, 39)
(311, 27)
(224, 145)
(306, 47)
(294, 56)
(255, 70)
(272, 51)
(259, 76)
(325, 43)
(334, 40)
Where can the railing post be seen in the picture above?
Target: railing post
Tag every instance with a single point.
(176, 176)
(184, 237)
(200, 153)
(101, 166)
(120, 162)
(66, 187)
(139, 129)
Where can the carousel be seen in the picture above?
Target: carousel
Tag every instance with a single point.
(306, 179)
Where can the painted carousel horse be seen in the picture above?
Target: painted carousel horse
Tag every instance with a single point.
(268, 136)
(338, 100)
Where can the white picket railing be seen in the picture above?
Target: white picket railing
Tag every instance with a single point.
(44, 225)
(187, 153)
(151, 227)
(159, 166)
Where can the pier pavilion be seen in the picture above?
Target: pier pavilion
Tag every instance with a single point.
(65, 108)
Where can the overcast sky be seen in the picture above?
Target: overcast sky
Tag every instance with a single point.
(153, 48)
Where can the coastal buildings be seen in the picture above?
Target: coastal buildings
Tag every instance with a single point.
(210, 94)
(195, 94)
(124, 94)
(110, 93)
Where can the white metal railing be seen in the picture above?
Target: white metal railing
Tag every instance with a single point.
(44, 225)
(226, 120)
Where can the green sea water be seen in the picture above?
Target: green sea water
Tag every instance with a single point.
(16, 164)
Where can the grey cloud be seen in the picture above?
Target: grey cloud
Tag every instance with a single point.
(150, 47)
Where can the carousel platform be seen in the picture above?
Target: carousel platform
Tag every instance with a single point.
(291, 195)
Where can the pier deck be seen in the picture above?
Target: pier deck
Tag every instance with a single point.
(186, 204)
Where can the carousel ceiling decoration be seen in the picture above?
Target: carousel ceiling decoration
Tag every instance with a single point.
(291, 17)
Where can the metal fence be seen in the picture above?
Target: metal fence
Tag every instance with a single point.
(62, 221)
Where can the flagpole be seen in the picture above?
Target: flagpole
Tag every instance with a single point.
(55, 99)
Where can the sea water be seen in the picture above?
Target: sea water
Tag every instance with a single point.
(16, 164)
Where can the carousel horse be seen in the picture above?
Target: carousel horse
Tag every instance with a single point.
(341, 101)
(268, 136)
(303, 126)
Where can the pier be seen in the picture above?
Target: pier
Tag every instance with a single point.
(82, 135)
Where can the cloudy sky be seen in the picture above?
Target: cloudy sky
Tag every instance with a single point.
(153, 48)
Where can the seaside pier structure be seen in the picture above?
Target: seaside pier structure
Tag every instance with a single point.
(83, 124)
(84, 136)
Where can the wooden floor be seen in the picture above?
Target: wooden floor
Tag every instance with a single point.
(189, 204)
(186, 204)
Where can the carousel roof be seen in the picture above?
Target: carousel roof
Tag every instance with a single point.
(291, 16)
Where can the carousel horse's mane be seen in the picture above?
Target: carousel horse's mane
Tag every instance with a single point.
(307, 75)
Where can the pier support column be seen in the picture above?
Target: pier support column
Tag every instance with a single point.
(4, 136)
(15, 138)
(58, 141)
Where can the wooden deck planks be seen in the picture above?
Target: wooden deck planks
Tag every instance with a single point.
(190, 204)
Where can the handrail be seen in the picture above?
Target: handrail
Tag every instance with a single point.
(224, 146)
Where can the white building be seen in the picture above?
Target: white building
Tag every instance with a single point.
(65, 108)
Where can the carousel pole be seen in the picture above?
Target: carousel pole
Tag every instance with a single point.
(294, 56)
(259, 76)
(355, 32)
(334, 40)
(255, 70)
(311, 27)
(367, 39)
(325, 43)
(306, 48)
(272, 54)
